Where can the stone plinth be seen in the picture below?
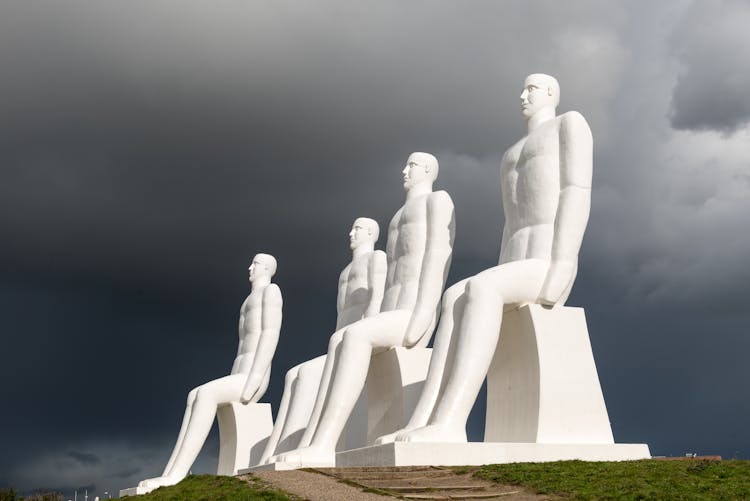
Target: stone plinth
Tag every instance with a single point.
(243, 432)
(394, 384)
(543, 386)
(479, 453)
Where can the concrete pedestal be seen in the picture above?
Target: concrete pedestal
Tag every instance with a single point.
(543, 386)
(134, 491)
(479, 453)
(243, 432)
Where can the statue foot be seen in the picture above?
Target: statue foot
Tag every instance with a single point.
(435, 433)
(310, 455)
(155, 483)
(392, 437)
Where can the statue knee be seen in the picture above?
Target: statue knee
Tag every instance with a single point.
(335, 339)
(191, 396)
(453, 292)
(352, 335)
(203, 394)
(291, 375)
(479, 288)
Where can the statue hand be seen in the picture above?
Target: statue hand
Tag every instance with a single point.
(418, 325)
(559, 277)
(249, 390)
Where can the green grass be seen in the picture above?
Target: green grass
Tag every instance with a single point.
(216, 488)
(648, 479)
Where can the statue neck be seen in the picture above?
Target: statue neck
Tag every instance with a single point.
(362, 249)
(418, 191)
(259, 284)
(541, 116)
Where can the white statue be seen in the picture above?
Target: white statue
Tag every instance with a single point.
(419, 248)
(546, 191)
(260, 322)
(360, 293)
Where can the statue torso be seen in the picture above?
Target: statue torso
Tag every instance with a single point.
(357, 294)
(407, 237)
(250, 327)
(530, 186)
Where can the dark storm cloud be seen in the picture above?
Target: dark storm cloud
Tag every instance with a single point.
(712, 45)
(148, 149)
(85, 458)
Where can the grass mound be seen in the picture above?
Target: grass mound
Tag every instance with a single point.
(626, 480)
(215, 488)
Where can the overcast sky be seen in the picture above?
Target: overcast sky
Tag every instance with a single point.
(149, 148)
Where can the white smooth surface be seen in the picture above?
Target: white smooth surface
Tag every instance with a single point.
(360, 294)
(243, 432)
(419, 248)
(545, 181)
(259, 325)
(478, 453)
(394, 383)
(543, 385)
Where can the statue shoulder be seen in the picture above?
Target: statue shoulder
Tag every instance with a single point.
(378, 258)
(574, 122)
(439, 199)
(272, 295)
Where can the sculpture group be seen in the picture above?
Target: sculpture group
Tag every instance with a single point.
(546, 400)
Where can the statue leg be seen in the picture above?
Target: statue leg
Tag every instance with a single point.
(206, 399)
(384, 330)
(475, 343)
(325, 379)
(262, 388)
(278, 425)
(440, 362)
(183, 429)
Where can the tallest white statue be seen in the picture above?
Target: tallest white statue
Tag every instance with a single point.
(546, 189)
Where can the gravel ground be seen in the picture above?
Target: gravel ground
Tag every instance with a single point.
(324, 485)
(315, 487)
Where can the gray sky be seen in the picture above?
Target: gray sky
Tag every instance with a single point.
(149, 149)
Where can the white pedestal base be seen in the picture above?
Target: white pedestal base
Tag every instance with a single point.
(243, 433)
(284, 466)
(479, 453)
(135, 491)
(543, 386)
(394, 385)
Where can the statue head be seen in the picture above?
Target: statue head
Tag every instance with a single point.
(364, 230)
(540, 91)
(262, 266)
(420, 168)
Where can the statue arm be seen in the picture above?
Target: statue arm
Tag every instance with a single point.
(376, 271)
(269, 338)
(341, 298)
(435, 264)
(576, 158)
(240, 328)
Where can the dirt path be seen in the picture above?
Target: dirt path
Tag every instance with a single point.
(415, 482)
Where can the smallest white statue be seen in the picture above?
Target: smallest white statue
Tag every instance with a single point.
(260, 322)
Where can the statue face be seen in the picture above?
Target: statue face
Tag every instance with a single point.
(258, 268)
(537, 94)
(415, 171)
(360, 234)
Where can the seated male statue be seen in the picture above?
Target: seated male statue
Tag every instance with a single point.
(545, 181)
(419, 249)
(360, 293)
(260, 321)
